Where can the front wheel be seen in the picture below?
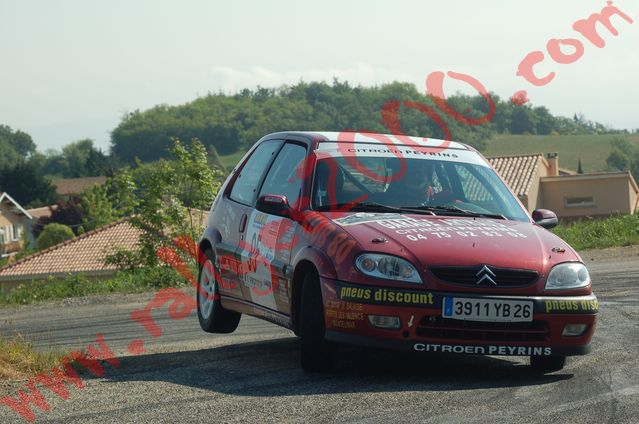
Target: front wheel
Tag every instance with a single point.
(547, 363)
(316, 353)
(212, 316)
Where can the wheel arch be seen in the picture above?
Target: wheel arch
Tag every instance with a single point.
(303, 268)
(307, 260)
(209, 238)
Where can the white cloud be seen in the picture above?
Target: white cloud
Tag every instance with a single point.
(230, 79)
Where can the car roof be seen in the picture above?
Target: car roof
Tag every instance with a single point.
(339, 137)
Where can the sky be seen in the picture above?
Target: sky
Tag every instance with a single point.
(71, 69)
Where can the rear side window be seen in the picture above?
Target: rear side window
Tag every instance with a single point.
(248, 180)
(283, 178)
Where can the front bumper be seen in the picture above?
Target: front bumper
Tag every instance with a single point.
(422, 328)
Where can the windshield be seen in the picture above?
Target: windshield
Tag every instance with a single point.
(432, 185)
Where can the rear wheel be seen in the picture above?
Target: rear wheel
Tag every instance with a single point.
(213, 318)
(547, 363)
(317, 354)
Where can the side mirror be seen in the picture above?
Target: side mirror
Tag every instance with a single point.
(274, 204)
(545, 218)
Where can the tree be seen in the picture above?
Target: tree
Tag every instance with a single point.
(82, 159)
(97, 208)
(26, 185)
(21, 142)
(168, 193)
(8, 156)
(103, 204)
(232, 122)
(78, 159)
(624, 157)
(53, 234)
(618, 160)
(523, 121)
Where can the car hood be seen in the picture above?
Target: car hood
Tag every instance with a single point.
(457, 241)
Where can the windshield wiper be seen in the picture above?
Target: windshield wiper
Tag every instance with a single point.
(371, 207)
(456, 210)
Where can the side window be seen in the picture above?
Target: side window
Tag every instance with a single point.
(282, 179)
(247, 181)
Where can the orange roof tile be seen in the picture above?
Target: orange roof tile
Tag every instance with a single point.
(85, 253)
(518, 171)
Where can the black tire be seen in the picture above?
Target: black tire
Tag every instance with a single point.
(317, 354)
(546, 364)
(218, 319)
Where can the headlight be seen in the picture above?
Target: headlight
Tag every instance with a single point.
(567, 276)
(385, 266)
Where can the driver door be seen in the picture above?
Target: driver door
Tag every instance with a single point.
(269, 238)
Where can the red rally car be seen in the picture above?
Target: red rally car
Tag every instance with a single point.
(390, 241)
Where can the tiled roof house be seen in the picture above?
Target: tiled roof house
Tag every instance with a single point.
(83, 254)
(13, 223)
(539, 183)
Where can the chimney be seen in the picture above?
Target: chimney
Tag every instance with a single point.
(553, 162)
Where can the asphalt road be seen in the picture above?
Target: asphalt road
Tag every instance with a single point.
(253, 375)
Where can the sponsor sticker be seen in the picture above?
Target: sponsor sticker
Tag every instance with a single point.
(559, 306)
(385, 296)
(364, 217)
(484, 350)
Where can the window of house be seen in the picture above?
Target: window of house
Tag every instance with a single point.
(15, 232)
(579, 202)
(3, 239)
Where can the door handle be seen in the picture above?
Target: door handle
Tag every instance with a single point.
(243, 223)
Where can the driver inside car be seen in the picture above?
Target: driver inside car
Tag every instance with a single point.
(415, 187)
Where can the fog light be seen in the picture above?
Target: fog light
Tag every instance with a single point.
(380, 321)
(574, 330)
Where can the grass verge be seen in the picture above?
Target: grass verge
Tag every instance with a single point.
(592, 149)
(620, 230)
(136, 281)
(19, 360)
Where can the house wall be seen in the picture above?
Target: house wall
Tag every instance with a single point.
(7, 219)
(534, 193)
(613, 194)
(534, 198)
(634, 197)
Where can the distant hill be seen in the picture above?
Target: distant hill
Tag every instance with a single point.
(233, 122)
(593, 149)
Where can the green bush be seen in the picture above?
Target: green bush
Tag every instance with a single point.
(53, 234)
(622, 230)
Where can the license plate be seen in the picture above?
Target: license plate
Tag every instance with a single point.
(490, 310)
